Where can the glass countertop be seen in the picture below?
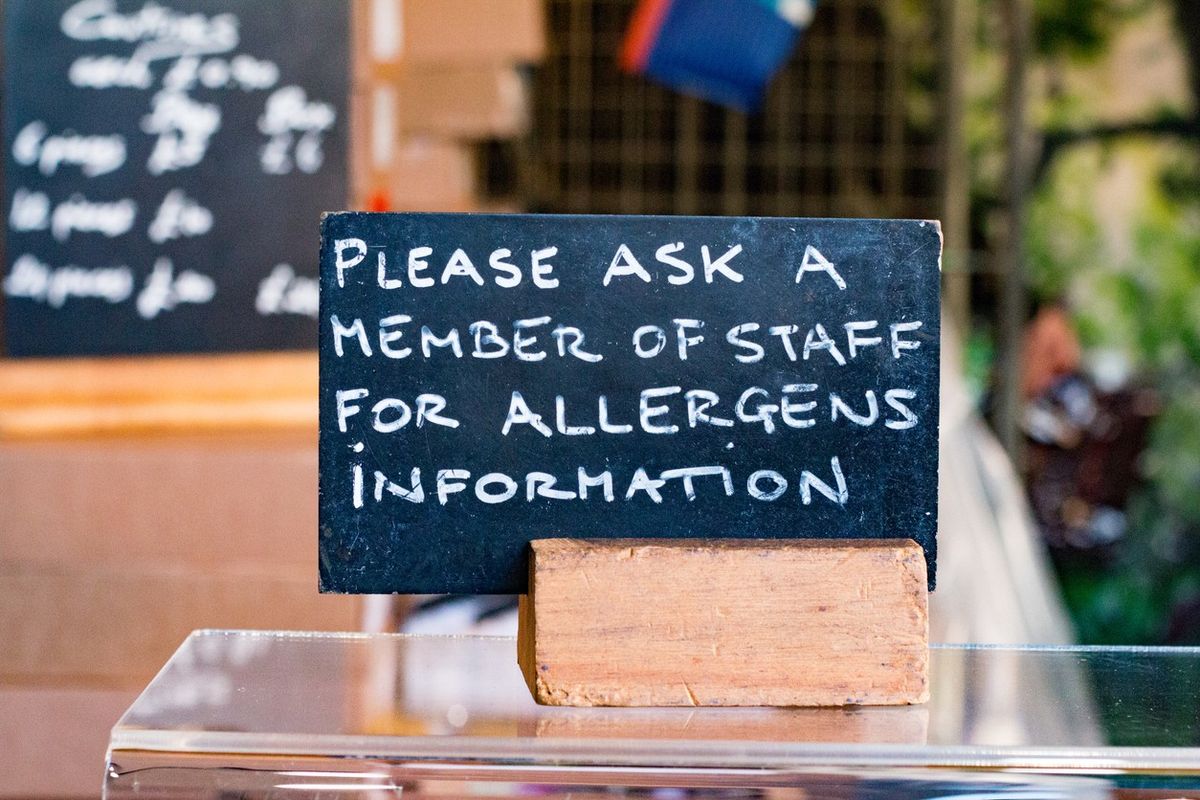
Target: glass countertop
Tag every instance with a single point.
(462, 700)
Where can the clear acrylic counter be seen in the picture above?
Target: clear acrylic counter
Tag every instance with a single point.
(296, 715)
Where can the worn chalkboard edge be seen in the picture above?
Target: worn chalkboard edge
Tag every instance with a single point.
(243, 391)
(935, 224)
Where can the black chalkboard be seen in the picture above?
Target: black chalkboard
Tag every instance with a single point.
(165, 164)
(790, 364)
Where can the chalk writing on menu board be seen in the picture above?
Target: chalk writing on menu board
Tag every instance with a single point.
(488, 380)
(166, 162)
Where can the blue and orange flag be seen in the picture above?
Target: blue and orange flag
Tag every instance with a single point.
(721, 50)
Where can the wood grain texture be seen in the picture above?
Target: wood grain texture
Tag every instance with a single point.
(245, 391)
(641, 622)
(907, 724)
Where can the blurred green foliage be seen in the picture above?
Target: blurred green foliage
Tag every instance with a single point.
(1134, 288)
(1114, 227)
(1079, 28)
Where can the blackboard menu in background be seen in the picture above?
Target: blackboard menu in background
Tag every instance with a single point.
(165, 167)
(487, 380)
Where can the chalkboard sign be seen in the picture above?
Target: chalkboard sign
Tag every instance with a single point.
(165, 165)
(488, 380)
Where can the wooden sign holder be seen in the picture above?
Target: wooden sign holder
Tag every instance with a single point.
(703, 622)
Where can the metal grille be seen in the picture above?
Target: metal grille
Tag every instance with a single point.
(838, 134)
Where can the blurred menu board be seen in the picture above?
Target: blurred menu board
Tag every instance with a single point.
(166, 165)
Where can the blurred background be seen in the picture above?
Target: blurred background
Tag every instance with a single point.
(165, 488)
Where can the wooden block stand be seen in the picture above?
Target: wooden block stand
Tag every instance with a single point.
(661, 622)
